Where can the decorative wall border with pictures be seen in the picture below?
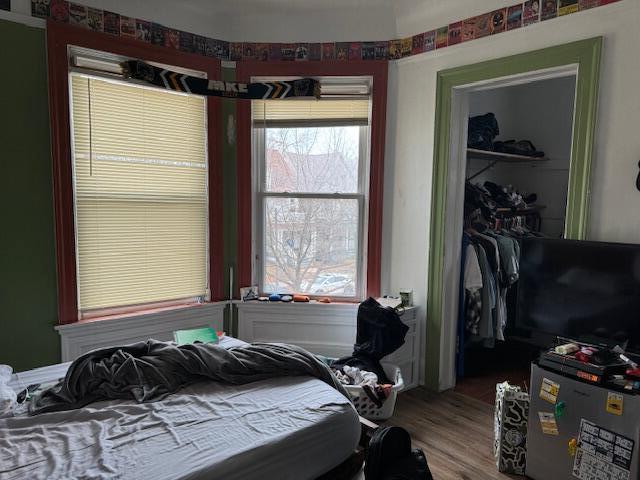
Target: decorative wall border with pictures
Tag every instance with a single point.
(490, 23)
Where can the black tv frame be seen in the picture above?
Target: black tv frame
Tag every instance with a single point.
(544, 338)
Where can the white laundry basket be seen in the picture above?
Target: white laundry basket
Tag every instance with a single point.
(366, 408)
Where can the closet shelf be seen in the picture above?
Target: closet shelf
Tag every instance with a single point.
(531, 209)
(501, 157)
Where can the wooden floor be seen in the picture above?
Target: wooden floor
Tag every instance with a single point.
(454, 430)
(508, 361)
(483, 387)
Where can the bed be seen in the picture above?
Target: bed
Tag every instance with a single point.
(283, 428)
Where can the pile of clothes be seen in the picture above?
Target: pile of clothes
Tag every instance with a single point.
(380, 332)
(354, 376)
(376, 392)
(482, 132)
(483, 129)
(508, 197)
(490, 196)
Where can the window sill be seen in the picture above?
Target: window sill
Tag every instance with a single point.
(310, 304)
(335, 307)
(144, 311)
(140, 315)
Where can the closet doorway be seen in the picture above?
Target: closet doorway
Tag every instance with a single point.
(518, 156)
(545, 101)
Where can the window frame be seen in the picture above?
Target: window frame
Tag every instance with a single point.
(107, 311)
(259, 196)
(378, 71)
(60, 38)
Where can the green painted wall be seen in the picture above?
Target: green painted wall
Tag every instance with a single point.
(28, 295)
(28, 310)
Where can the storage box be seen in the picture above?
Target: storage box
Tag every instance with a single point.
(510, 426)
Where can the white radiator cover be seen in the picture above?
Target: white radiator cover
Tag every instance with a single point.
(79, 338)
(324, 329)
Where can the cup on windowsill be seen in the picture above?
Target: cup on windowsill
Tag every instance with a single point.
(406, 297)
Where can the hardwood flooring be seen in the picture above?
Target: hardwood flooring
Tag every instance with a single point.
(483, 387)
(454, 430)
(508, 361)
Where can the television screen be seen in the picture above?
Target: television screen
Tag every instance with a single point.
(588, 291)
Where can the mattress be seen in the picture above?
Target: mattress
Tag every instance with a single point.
(283, 428)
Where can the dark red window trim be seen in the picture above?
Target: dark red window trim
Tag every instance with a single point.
(376, 69)
(59, 37)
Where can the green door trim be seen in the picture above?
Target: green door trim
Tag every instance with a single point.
(586, 54)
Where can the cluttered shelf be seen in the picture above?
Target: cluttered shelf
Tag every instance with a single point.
(529, 210)
(502, 157)
(496, 157)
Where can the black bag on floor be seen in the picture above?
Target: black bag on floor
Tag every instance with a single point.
(390, 457)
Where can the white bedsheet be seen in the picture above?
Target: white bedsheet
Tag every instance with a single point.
(293, 428)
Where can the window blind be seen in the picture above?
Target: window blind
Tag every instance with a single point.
(300, 113)
(140, 171)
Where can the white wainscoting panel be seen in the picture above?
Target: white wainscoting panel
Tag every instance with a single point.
(323, 328)
(79, 338)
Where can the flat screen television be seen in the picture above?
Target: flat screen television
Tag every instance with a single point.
(588, 291)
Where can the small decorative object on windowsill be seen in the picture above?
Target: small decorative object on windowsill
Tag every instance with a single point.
(406, 295)
(249, 293)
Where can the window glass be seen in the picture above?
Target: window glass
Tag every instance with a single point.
(310, 246)
(312, 160)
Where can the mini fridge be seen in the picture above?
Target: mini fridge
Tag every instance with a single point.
(578, 430)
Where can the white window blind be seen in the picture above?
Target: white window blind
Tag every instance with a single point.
(140, 170)
(325, 112)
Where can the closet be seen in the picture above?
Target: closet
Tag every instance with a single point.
(517, 174)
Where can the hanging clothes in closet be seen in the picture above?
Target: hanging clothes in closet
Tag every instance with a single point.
(489, 269)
